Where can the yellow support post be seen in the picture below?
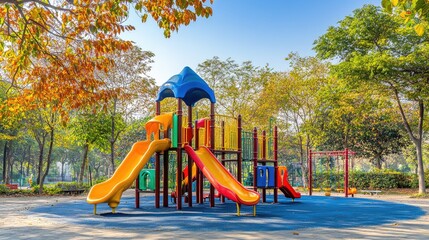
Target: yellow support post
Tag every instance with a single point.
(254, 210)
(238, 209)
(113, 210)
(95, 209)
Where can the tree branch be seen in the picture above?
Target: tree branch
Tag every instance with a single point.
(16, 2)
(404, 118)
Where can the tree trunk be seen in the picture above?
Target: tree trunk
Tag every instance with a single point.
(9, 172)
(113, 136)
(27, 170)
(9, 163)
(112, 145)
(62, 169)
(5, 153)
(420, 168)
(49, 159)
(417, 140)
(84, 162)
(41, 143)
(112, 155)
(301, 156)
(378, 162)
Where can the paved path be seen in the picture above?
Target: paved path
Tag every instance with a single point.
(317, 217)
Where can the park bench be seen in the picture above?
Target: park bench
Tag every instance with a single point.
(73, 191)
(12, 186)
(371, 192)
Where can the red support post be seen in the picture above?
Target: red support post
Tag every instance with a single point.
(165, 174)
(212, 147)
(264, 146)
(346, 173)
(165, 180)
(137, 192)
(255, 158)
(276, 164)
(190, 160)
(310, 173)
(157, 165)
(197, 177)
(222, 125)
(239, 153)
(264, 157)
(179, 156)
(157, 180)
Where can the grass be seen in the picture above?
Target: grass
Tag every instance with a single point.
(419, 195)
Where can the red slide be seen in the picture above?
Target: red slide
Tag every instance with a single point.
(283, 184)
(221, 178)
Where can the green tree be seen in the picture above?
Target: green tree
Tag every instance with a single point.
(361, 118)
(374, 47)
(415, 12)
(90, 130)
(42, 124)
(236, 86)
(133, 92)
(294, 94)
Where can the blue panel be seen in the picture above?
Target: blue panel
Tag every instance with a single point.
(261, 177)
(270, 177)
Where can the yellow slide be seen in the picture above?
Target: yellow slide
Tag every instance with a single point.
(111, 190)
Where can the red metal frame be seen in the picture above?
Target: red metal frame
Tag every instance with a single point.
(212, 147)
(255, 158)
(190, 160)
(179, 156)
(344, 153)
(276, 164)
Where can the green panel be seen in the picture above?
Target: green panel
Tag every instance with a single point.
(247, 145)
(175, 131)
(147, 180)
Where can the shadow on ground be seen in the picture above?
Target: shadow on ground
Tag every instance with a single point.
(307, 212)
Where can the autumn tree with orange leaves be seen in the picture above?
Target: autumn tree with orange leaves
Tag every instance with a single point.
(50, 51)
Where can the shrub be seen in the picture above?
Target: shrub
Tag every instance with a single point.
(72, 186)
(49, 189)
(58, 188)
(4, 189)
(376, 179)
(415, 180)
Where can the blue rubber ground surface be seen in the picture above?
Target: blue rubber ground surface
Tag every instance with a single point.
(307, 212)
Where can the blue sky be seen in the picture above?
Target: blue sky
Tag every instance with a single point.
(261, 31)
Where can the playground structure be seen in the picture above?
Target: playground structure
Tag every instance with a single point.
(203, 143)
(345, 154)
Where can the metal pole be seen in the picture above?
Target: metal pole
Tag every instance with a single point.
(179, 156)
(189, 159)
(264, 157)
(222, 126)
(239, 153)
(212, 147)
(165, 180)
(137, 192)
(276, 164)
(346, 173)
(310, 173)
(157, 165)
(197, 144)
(255, 158)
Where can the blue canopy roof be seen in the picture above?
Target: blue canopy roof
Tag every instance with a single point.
(188, 86)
